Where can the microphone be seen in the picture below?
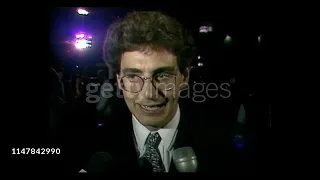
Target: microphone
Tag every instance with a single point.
(100, 163)
(185, 159)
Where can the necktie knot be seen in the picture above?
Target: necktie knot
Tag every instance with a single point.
(153, 140)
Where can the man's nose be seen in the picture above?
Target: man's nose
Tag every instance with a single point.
(148, 90)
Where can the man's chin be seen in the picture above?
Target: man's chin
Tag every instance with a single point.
(155, 122)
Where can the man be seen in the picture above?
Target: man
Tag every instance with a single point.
(152, 53)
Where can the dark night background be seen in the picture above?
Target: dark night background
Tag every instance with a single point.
(242, 57)
(241, 61)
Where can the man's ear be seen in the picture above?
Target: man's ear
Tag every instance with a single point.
(185, 78)
(119, 81)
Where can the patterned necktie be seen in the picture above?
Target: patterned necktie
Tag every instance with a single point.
(152, 153)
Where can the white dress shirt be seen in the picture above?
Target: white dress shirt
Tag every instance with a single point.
(167, 133)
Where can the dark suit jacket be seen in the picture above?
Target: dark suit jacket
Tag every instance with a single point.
(211, 140)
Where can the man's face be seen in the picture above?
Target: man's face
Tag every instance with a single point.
(153, 106)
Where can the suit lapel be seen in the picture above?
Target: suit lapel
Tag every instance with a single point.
(120, 136)
(129, 154)
(184, 136)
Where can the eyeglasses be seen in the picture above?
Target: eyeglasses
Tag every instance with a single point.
(134, 83)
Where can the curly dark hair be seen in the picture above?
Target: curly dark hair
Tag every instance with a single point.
(148, 30)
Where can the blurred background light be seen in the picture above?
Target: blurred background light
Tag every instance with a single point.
(82, 11)
(200, 64)
(80, 35)
(227, 39)
(81, 44)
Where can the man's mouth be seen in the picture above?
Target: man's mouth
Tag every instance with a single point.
(153, 107)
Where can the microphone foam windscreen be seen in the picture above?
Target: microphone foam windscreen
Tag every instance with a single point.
(183, 152)
(185, 159)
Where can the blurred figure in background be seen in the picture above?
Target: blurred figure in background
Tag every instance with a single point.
(57, 101)
(76, 101)
(62, 89)
(54, 91)
(77, 89)
(107, 93)
(102, 76)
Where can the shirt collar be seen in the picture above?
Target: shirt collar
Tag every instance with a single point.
(166, 133)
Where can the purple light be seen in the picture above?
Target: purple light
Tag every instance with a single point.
(80, 35)
(90, 37)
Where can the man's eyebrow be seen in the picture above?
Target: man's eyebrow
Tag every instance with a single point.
(155, 71)
(131, 70)
(164, 69)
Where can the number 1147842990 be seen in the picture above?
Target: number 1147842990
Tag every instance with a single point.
(41, 151)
